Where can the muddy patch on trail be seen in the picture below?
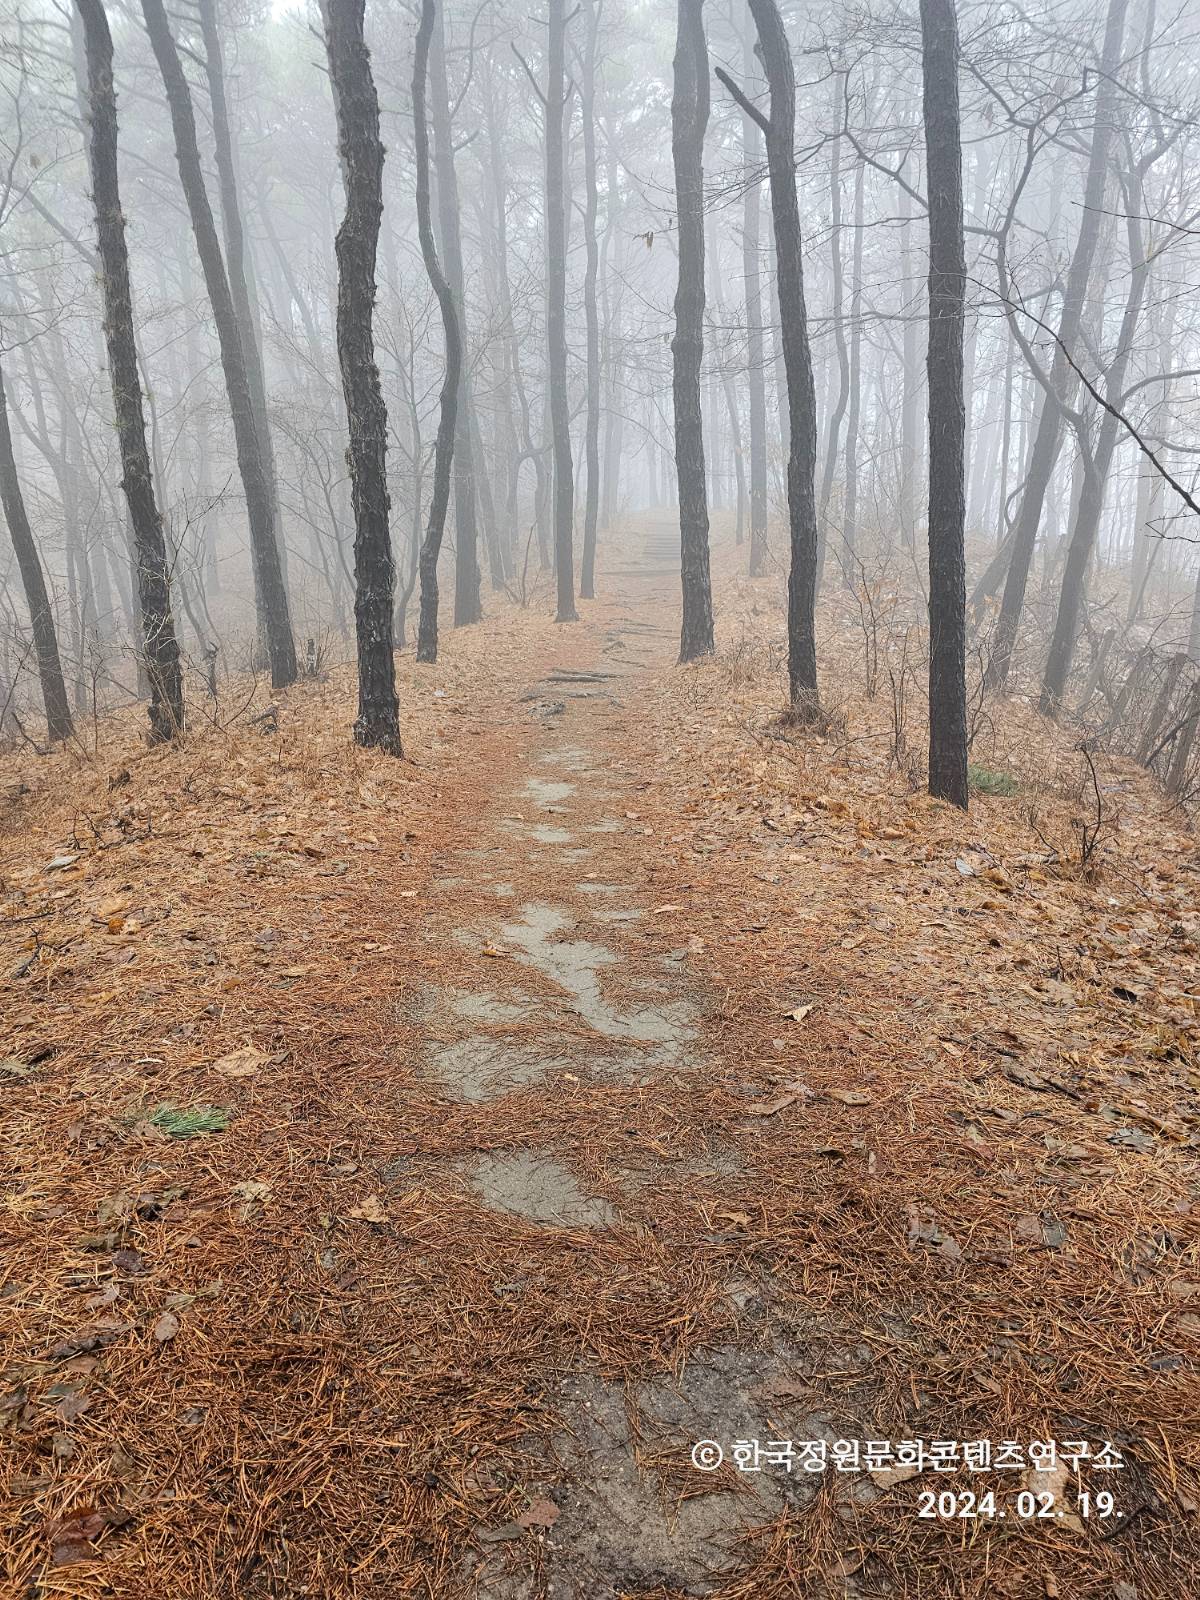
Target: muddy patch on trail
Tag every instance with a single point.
(535, 1186)
(539, 832)
(634, 1513)
(574, 965)
(547, 791)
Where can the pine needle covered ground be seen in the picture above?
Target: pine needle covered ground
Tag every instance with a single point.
(408, 1162)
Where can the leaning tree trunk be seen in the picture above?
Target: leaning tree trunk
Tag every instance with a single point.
(1049, 426)
(752, 279)
(689, 118)
(467, 604)
(591, 429)
(947, 412)
(555, 102)
(779, 133)
(161, 648)
(1097, 465)
(268, 569)
(240, 270)
(33, 580)
(443, 453)
(361, 149)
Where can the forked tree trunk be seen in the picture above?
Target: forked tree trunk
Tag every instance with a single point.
(33, 581)
(947, 413)
(431, 545)
(269, 584)
(1097, 466)
(554, 104)
(161, 649)
(1049, 425)
(361, 149)
(779, 133)
(689, 118)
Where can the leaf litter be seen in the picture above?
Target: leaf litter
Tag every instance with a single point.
(362, 1399)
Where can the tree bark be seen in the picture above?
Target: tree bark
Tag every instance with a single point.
(554, 105)
(1097, 464)
(357, 108)
(947, 413)
(689, 118)
(854, 410)
(755, 355)
(443, 454)
(467, 603)
(838, 318)
(779, 132)
(591, 503)
(33, 581)
(276, 620)
(236, 257)
(1049, 425)
(910, 383)
(160, 647)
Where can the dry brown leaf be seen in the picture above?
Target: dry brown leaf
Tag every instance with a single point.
(540, 1513)
(166, 1327)
(243, 1063)
(889, 1477)
(768, 1108)
(1053, 1481)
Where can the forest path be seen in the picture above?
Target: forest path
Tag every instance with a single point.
(551, 988)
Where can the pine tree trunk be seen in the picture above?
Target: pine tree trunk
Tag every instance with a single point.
(556, 312)
(755, 355)
(270, 586)
(1097, 467)
(33, 581)
(910, 401)
(467, 603)
(160, 647)
(361, 150)
(1049, 425)
(838, 319)
(689, 118)
(240, 274)
(591, 504)
(779, 132)
(849, 551)
(431, 545)
(947, 413)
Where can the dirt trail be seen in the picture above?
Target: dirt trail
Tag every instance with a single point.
(561, 856)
